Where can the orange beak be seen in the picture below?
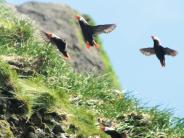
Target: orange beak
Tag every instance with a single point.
(77, 17)
(153, 37)
(49, 35)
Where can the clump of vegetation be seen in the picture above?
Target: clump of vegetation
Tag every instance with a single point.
(7, 78)
(55, 87)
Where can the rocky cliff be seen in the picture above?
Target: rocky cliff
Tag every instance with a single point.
(60, 19)
(43, 96)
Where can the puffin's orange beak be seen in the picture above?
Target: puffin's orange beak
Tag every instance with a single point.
(153, 37)
(77, 17)
(49, 35)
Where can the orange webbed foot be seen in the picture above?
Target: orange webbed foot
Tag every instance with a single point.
(88, 45)
(67, 56)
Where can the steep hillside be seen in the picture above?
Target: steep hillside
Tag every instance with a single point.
(60, 19)
(41, 95)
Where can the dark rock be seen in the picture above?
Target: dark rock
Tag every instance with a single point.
(29, 133)
(18, 124)
(17, 106)
(57, 117)
(47, 129)
(7, 92)
(40, 133)
(3, 106)
(42, 111)
(73, 128)
(36, 119)
(47, 119)
(58, 129)
(31, 129)
(13, 120)
(80, 136)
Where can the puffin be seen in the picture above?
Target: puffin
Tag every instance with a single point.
(113, 133)
(158, 50)
(59, 42)
(89, 31)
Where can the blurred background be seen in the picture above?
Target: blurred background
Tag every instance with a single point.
(136, 22)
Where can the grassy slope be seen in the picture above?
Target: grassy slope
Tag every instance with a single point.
(54, 83)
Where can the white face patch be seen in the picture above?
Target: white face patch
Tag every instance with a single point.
(82, 19)
(108, 128)
(156, 38)
(53, 35)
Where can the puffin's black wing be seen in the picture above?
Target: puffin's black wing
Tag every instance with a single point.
(107, 28)
(170, 52)
(147, 51)
(113, 134)
(61, 46)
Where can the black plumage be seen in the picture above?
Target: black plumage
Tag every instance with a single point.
(159, 51)
(59, 42)
(89, 31)
(113, 133)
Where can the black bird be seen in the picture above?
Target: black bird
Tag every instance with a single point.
(159, 51)
(113, 133)
(89, 31)
(59, 42)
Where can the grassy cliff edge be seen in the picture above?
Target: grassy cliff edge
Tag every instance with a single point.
(37, 84)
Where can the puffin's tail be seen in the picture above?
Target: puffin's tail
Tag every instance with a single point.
(162, 63)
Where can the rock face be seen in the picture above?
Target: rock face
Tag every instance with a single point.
(60, 19)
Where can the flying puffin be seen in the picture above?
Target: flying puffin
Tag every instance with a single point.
(113, 133)
(89, 31)
(158, 50)
(60, 43)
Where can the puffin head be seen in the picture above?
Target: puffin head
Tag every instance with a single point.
(80, 18)
(49, 35)
(155, 38)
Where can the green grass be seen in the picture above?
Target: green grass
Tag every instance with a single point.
(8, 78)
(55, 82)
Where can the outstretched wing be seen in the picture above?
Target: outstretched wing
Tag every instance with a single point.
(107, 28)
(147, 51)
(170, 52)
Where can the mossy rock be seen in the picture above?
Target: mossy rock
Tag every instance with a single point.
(17, 106)
(7, 78)
(5, 131)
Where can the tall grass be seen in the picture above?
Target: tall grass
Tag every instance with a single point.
(55, 83)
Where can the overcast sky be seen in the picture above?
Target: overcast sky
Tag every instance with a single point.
(137, 21)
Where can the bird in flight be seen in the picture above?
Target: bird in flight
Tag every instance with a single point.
(59, 42)
(89, 31)
(158, 50)
(113, 133)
